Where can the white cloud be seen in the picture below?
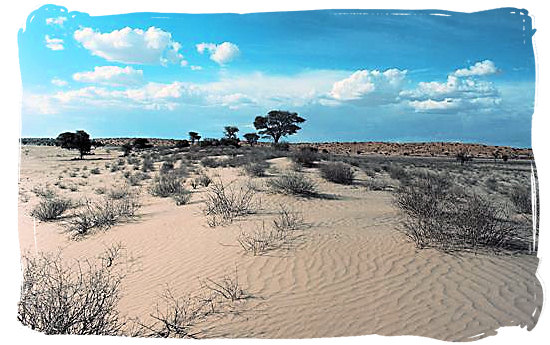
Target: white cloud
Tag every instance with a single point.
(485, 67)
(368, 87)
(54, 43)
(430, 105)
(39, 104)
(110, 75)
(219, 53)
(454, 87)
(59, 82)
(133, 46)
(232, 91)
(56, 21)
(196, 68)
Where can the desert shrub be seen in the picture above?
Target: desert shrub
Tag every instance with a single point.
(182, 197)
(256, 169)
(101, 215)
(374, 184)
(258, 242)
(147, 164)
(178, 316)
(95, 171)
(492, 184)
(521, 198)
(118, 193)
(209, 162)
(292, 183)
(305, 156)
(166, 167)
(281, 146)
(43, 192)
(204, 180)
(287, 220)
(282, 234)
(226, 202)
(397, 172)
(227, 288)
(51, 208)
(337, 172)
(70, 299)
(166, 185)
(136, 178)
(447, 219)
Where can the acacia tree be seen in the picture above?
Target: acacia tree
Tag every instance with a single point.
(277, 124)
(194, 136)
(230, 132)
(79, 140)
(251, 138)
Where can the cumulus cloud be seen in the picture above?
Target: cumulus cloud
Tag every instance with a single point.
(56, 21)
(195, 68)
(110, 75)
(59, 82)
(367, 87)
(481, 68)
(454, 87)
(134, 46)
(54, 43)
(219, 53)
(461, 92)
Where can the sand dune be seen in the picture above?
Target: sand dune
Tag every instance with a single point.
(352, 272)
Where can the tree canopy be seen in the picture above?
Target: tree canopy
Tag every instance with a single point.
(251, 138)
(80, 140)
(277, 124)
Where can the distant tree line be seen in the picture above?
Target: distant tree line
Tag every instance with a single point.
(275, 125)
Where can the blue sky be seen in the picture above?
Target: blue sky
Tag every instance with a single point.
(354, 75)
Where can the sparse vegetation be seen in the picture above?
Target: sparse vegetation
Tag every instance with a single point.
(337, 172)
(166, 185)
(448, 219)
(71, 299)
(227, 202)
(293, 183)
(100, 215)
(51, 208)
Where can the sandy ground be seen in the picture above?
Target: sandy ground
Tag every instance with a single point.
(352, 273)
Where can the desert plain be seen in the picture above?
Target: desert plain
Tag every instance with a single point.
(345, 266)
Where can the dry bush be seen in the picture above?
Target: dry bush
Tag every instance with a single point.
(306, 157)
(71, 299)
(447, 219)
(521, 198)
(258, 242)
(147, 164)
(227, 288)
(182, 197)
(337, 172)
(177, 317)
(101, 215)
(166, 185)
(282, 234)
(288, 220)
(51, 208)
(256, 169)
(43, 192)
(136, 178)
(119, 192)
(226, 202)
(293, 183)
(95, 171)
(204, 180)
